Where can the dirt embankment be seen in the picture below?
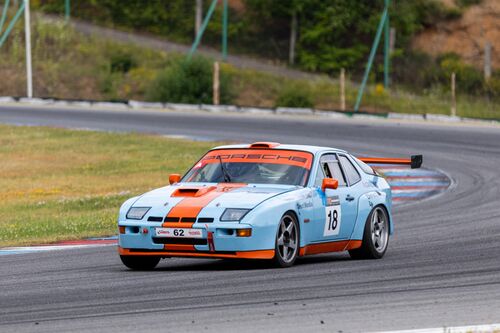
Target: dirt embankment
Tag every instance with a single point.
(467, 35)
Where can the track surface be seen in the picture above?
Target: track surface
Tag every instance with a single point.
(442, 266)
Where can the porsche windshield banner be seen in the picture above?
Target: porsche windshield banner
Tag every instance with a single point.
(274, 156)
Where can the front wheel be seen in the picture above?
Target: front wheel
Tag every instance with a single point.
(375, 236)
(287, 241)
(140, 263)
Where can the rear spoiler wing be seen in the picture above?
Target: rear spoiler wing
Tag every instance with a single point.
(414, 162)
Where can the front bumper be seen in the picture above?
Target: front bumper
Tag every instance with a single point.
(219, 240)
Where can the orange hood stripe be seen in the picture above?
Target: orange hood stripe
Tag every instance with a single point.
(191, 206)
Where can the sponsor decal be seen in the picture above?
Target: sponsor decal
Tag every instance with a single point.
(333, 201)
(273, 157)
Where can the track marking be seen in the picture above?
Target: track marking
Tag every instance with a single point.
(66, 245)
(413, 184)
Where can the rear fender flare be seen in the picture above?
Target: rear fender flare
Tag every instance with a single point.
(366, 203)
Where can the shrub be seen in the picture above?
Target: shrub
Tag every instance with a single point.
(295, 96)
(469, 79)
(492, 86)
(122, 62)
(188, 81)
(467, 3)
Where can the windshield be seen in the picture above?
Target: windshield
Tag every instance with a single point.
(256, 166)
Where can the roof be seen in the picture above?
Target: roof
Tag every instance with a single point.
(311, 149)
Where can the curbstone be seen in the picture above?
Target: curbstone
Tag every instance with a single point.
(393, 115)
(256, 110)
(219, 108)
(7, 99)
(110, 105)
(368, 116)
(331, 114)
(145, 105)
(36, 101)
(442, 117)
(295, 111)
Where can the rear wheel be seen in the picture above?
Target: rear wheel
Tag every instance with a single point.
(375, 236)
(287, 241)
(140, 263)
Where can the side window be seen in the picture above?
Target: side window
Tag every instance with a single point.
(365, 167)
(337, 173)
(319, 176)
(331, 169)
(350, 170)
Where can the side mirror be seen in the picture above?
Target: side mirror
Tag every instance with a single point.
(174, 178)
(330, 183)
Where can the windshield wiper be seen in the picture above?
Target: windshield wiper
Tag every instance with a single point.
(225, 173)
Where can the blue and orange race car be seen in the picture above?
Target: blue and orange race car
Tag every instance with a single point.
(262, 201)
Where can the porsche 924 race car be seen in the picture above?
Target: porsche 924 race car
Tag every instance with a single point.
(262, 201)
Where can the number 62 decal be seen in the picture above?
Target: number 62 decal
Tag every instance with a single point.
(332, 220)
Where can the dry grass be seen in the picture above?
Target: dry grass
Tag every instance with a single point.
(62, 184)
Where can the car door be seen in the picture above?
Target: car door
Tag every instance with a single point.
(335, 210)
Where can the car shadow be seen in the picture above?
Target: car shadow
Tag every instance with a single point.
(187, 264)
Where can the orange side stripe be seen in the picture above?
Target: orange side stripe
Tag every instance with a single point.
(323, 248)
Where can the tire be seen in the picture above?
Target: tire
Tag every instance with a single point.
(287, 241)
(140, 263)
(375, 236)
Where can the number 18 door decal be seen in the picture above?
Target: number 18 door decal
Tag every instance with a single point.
(332, 217)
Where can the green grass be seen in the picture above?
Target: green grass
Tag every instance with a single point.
(61, 184)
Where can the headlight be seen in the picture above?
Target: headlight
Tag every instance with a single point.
(234, 214)
(137, 213)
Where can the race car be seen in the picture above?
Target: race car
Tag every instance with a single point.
(266, 201)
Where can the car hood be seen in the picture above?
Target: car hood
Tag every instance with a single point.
(209, 196)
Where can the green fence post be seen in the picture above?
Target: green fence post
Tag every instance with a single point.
(67, 10)
(11, 25)
(387, 55)
(4, 14)
(370, 59)
(203, 27)
(224, 31)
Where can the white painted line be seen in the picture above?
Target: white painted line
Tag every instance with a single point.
(458, 329)
(34, 249)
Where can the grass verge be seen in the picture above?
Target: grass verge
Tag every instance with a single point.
(62, 184)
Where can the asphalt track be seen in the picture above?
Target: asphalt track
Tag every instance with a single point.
(442, 267)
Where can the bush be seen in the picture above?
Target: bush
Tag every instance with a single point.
(467, 3)
(492, 86)
(469, 79)
(122, 62)
(295, 96)
(188, 82)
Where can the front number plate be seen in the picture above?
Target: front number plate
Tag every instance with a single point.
(179, 233)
